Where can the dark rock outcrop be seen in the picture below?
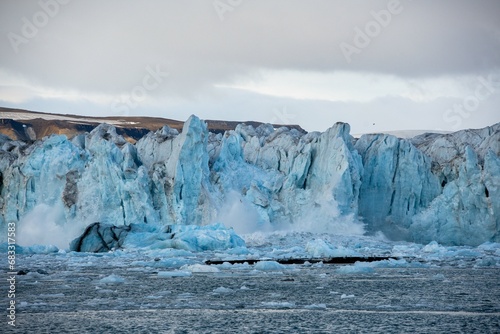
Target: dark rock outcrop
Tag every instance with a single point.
(100, 238)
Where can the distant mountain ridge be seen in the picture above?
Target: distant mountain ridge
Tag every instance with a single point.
(26, 125)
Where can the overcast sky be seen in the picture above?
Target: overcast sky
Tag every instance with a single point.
(378, 65)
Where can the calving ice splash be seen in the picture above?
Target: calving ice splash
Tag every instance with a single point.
(197, 190)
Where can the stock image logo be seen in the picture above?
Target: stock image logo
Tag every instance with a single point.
(150, 82)
(30, 28)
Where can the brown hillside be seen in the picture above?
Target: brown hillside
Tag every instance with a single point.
(27, 125)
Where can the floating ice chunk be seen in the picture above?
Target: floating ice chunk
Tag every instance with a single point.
(225, 265)
(440, 277)
(486, 262)
(184, 296)
(466, 253)
(344, 296)
(269, 265)
(37, 249)
(405, 250)
(112, 279)
(222, 289)
(176, 273)
(106, 291)
(202, 238)
(354, 270)
(160, 294)
(241, 266)
(319, 264)
(316, 307)
(240, 250)
(154, 297)
(278, 304)
(320, 248)
(200, 268)
(188, 238)
(174, 263)
(52, 295)
(391, 263)
(489, 246)
(433, 247)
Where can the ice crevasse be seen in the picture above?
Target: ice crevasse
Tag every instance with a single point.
(444, 188)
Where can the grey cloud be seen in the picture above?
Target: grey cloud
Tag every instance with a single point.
(105, 46)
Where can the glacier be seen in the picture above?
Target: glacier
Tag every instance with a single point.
(433, 187)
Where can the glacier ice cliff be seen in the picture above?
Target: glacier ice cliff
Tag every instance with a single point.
(431, 187)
